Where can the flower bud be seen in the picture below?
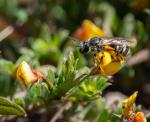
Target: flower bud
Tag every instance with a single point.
(26, 74)
(139, 117)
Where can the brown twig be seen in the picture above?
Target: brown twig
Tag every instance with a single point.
(139, 57)
(6, 32)
(60, 111)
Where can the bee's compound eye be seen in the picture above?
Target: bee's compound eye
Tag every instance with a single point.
(95, 40)
(84, 49)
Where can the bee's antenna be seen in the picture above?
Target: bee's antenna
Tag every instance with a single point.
(73, 38)
(77, 46)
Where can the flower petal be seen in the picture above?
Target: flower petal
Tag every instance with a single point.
(25, 73)
(88, 30)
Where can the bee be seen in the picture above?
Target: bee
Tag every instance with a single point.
(97, 44)
(109, 53)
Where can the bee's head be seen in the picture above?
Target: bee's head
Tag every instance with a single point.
(95, 41)
(84, 47)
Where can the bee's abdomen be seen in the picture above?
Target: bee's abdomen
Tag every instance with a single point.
(124, 50)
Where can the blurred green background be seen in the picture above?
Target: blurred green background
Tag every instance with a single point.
(37, 31)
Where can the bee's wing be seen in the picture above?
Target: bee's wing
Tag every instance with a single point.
(116, 41)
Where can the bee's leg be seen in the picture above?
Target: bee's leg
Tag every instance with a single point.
(121, 50)
(101, 69)
(95, 61)
(102, 56)
(98, 67)
(114, 55)
(120, 57)
(101, 60)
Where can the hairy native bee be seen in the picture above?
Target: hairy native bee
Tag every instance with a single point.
(109, 53)
(97, 45)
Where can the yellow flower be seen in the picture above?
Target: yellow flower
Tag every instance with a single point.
(108, 63)
(26, 74)
(128, 104)
(129, 114)
(88, 30)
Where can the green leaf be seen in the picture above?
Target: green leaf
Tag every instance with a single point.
(104, 116)
(46, 50)
(90, 89)
(140, 36)
(33, 92)
(7, 85)
(38, 93)
(67, 75)
(19, 101)
(7, 107)
(96, 106)
(6, 66)
(82, 61)
(127, 28)
(51, 76)
(21, 15)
